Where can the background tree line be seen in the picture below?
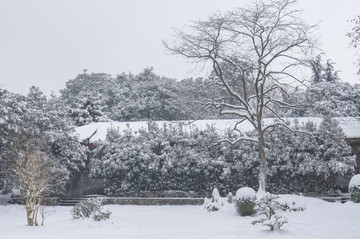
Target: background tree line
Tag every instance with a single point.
(100, 97)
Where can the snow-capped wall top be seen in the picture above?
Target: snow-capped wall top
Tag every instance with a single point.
(350, 126)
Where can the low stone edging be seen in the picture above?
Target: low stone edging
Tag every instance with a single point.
(46, 201)
(152, 201)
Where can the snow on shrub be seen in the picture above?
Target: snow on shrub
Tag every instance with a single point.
(216, 202)
(230, 198)
(303, 163)
(354, 188)
(271, 208)
(270, 212)
(90, 208)
(245, 201)
(165, 158)
(245, 192)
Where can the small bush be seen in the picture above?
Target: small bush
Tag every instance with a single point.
(245, 201)
(215, 202)
(98, 216)
(355, 194)
(245, 206)
(354, 188)
(90, 208)
(293, 207)
(269, 210)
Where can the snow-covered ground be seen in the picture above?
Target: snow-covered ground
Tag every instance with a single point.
(350, 126)
(320, 220)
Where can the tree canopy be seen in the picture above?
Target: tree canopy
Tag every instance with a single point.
(266, 41)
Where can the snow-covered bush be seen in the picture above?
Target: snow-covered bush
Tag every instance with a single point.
(215, 202)
(90, 209)
(169, 158)
(271, 209)
(245, 201)
(245, 206)
(354, 188)
(99, 215)
(270, 212)
(245, 192)
(304, 163)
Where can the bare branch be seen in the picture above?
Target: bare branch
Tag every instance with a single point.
(257, 47)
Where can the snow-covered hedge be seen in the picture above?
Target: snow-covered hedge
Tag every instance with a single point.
(300, 162)
(170, 158)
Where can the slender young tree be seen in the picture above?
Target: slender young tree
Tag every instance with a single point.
(34, 173)
(354, 35)
(269, 43)
(317, 69)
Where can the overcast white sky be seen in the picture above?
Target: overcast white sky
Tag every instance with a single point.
(47, 42)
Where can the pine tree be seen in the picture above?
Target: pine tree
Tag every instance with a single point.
(336, 99)
(87, 108)
(48, 123)
(12, 107)
(87, 96)
(317, 70)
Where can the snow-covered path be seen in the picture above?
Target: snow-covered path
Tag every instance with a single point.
(319, 220)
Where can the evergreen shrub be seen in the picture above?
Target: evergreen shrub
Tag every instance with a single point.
(90, 209)
(215, 202)
(270, 211)
(245, 201)
(245, 206)
(354, 188)
(355, 194)
(173, 158)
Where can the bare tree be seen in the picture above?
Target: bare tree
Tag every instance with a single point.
(34, 174)
(268, 43)
(355, 38)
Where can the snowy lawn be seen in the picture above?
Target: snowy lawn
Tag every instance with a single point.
(320, 220)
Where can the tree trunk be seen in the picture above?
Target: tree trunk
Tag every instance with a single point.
(263, 165)
(29, 216)
(31, 210)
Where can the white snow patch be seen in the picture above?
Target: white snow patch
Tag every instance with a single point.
(350, 126)
(4, 199)
(245, 192)
(320, 220)
(216, 195)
